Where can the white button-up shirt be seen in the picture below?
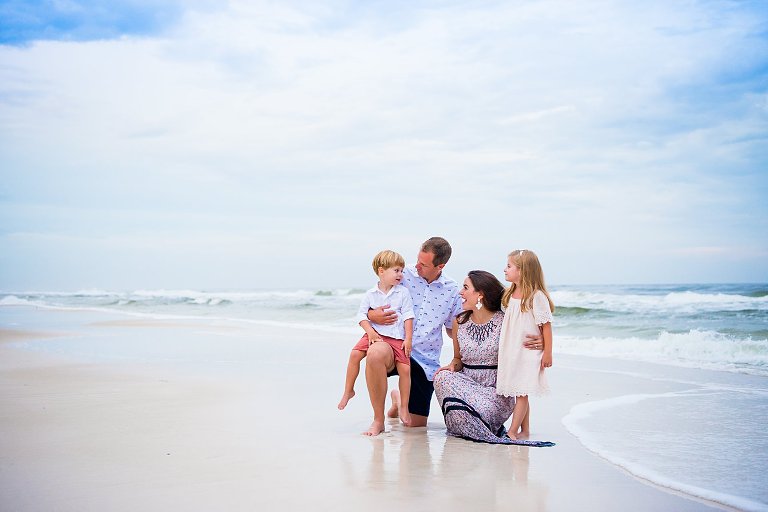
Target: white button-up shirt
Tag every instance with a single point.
(399, 299)
(435, 304)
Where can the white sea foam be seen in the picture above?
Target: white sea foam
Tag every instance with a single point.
(580, 413)
(12, 300)
(694, 349)
(685, 301)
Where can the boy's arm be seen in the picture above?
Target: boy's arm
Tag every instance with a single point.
(546, 332)
(373, 336)
(408, 343)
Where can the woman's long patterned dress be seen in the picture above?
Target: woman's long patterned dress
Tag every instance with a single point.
(468, 398)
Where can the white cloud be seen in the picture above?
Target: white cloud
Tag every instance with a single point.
(581, 129)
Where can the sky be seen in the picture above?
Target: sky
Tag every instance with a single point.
(254, 144)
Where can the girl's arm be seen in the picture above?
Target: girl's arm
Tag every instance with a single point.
(546, 332)
(408, 343)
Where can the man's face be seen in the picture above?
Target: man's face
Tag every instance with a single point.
(425, 268)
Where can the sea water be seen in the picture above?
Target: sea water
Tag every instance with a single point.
(712, 441)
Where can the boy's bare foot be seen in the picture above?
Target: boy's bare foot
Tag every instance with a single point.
(376, 428)
(394, 411)
(405, 417)
(345, 398)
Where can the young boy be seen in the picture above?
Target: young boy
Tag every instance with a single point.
(388, 265)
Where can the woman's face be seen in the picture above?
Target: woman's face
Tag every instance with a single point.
(468, 295)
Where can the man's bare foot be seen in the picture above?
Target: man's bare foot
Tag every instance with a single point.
(376, 428)
(405, 417)
(345, 398)
(394, 411)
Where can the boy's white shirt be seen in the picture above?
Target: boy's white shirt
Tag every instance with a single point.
(399, 299)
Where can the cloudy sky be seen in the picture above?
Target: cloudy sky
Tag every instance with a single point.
(254, 144)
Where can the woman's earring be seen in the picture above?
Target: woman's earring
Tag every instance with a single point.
(479, 304)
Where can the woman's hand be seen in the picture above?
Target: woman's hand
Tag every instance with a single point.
(534, 341)
(454, 366)
(407, 345)
(546, 360)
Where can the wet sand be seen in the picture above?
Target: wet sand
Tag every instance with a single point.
(108, 414)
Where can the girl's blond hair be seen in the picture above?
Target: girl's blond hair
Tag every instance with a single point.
(531, 279)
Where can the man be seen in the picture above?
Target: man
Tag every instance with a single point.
(436, 303)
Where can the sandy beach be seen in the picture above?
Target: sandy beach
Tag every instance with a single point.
(102, 413)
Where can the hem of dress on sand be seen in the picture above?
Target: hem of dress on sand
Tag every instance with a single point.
(469, 409)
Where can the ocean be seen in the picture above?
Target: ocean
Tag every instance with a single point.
(715, 334)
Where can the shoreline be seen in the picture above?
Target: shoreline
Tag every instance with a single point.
(223, 413)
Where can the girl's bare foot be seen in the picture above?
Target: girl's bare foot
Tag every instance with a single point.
(345, 398)
(511, 436)
(405, 417)
(523, 434)
(376, 428)
(394, 411)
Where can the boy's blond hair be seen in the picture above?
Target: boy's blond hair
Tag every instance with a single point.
(387, 259)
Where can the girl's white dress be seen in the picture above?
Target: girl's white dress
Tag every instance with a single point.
(520, 370)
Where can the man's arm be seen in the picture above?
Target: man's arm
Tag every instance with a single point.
(382, 315)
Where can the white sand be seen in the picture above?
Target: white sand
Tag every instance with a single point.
(154, 416)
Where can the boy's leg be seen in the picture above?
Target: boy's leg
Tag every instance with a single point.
(379, 360)
(404, 384)
(353, 370)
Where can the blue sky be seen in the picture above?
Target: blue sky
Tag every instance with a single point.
(216, 145)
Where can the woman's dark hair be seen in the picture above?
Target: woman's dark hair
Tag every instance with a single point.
(489, 287)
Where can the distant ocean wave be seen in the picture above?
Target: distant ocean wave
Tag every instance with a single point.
(720, 327)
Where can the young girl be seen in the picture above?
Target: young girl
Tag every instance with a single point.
(528, 311)
(388, 265)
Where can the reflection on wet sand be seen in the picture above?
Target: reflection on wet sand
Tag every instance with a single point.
(424, 465)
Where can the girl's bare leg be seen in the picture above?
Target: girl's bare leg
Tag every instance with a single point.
(525, 426)
(353, 370)
(404, 384)
(518, 415)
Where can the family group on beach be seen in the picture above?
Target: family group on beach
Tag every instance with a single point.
(502, 343)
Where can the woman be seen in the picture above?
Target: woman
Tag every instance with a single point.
(466, 388)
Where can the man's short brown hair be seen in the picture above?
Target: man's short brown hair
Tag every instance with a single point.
(440, 248)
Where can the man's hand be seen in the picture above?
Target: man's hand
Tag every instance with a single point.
(382, 315)
(534, 341)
